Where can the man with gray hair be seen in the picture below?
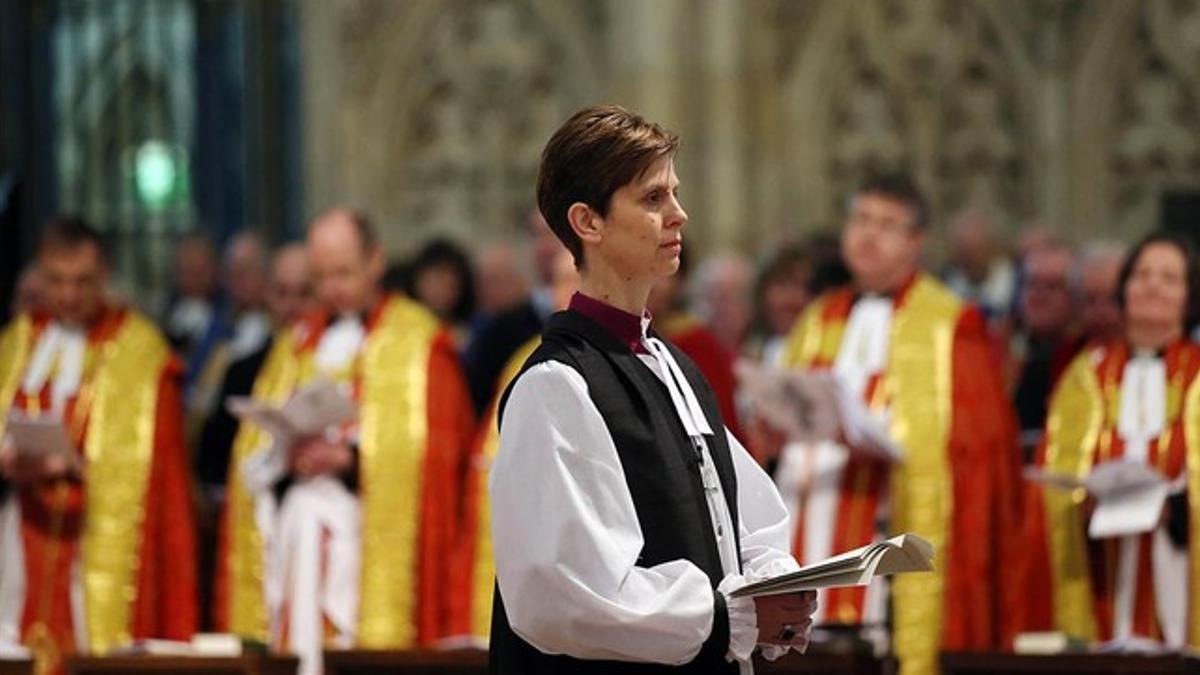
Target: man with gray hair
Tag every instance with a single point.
(722, 297)
(1095, 278)
(1046, 316)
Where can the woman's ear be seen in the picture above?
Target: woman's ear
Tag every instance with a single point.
(585, 222)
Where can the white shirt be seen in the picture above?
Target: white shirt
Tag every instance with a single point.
(567, 537)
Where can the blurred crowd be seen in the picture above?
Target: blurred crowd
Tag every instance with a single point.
(1043, 299)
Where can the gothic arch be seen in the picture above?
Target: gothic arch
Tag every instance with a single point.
(927, 87)
(457, 139)
(1133, 106)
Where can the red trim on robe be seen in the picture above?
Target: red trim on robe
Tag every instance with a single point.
(167, 602)
(451, 428)
(980, 593)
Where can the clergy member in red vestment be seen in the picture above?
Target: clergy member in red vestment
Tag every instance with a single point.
(97, 545)
(919, 359)
(346, 539)
(1135, 398)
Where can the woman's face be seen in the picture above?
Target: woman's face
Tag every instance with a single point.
(1156, 292)
(642, 234)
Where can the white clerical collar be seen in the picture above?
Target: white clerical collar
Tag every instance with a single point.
(60, 352)
(340, 343)
(191, 317)
(1143, 409)
(250, 333)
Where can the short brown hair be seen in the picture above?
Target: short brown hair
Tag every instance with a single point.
(595, 153)
(901, 188)
(68, 232)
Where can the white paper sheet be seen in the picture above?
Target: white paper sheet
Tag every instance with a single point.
(42, 436)
(310, 411)
(815, 406)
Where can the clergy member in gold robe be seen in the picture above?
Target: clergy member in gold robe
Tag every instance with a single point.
(97, 537)
(345, 538)
(919, 359)
(1135, 398)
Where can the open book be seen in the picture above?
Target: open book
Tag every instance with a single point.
(902, 553)
(309, 412)
(811, 406)
(1129, 496)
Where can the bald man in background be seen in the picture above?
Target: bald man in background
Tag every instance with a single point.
(344, 539)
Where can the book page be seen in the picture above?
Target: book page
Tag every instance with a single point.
(898, 555)
(1129, 496)
(39, 436)
(308, 412)
(813, 406)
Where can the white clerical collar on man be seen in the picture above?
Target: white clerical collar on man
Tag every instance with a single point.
(340, 343)
(1143, 403)
(250, 332)
(60, 351)
(190, 317)
(865, 342)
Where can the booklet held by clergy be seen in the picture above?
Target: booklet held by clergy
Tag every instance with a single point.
(814, 405)
(309, 412)
(43, 436)
(1129, 496)
(900, 554)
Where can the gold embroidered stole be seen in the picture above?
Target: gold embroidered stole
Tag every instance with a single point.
(119, 448)
(393, 433)
(1191, 426)
(244, 545)
(816, 339)
(920, 389)
(14, 353)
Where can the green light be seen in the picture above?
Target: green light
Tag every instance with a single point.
(156, 174)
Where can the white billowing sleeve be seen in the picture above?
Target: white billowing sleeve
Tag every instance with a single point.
(567, 536)
(764, 526)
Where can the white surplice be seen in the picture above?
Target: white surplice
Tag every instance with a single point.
(812, 473)
(1141, 419)
(567, 535)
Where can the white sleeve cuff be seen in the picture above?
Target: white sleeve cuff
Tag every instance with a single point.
(743, 621)
(772, 568)
(773, 652)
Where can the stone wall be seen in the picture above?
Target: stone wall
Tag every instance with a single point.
(1077, 114)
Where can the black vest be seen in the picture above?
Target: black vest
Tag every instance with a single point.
(662, 471)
